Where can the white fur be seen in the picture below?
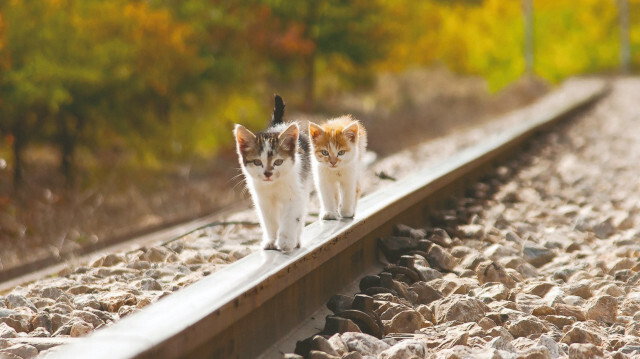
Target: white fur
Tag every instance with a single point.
(338, 187)
(281, 203)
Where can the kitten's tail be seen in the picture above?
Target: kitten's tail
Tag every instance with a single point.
(278, 111)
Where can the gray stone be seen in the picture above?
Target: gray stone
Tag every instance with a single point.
(520, 265)
(570, 311)
(112, 301)
(24, 351)
(612, 290)
(150, 284)
(61, 308)
(7, 331)
(602, 309)
(441, 237)
(87, 317)
(407, 321)
(319, 343)
(492, 272)
(426, 313)
(581, 288)
(604, 229)
(41, 303)
(338, 345)
(41, 320)
(40, 332)
(526, 327)
(490, 292)
(498, 331)
(316, 354)
(535, 352)
(5, 313)
(554, 349)
(537, 255)
(58, 320)
(80, 329)
(425, 293)
(580, 333)
(459, 307)
(109, 260)
(15, 300)
(79, 289)
(105, 316)
(560, 321)
(439, 258)
(155, 254)
(404, 350)
(16, 323)
(86, 301)
(363, 343)
(51, 292)
(584, 351)
(501, 343)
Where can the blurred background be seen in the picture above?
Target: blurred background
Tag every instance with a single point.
(116, 116)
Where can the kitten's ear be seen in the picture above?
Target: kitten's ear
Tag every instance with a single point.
(351, 131)
(244, 137)
(314, 130)
(289, 137)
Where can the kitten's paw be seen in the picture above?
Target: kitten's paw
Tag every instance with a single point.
(286, 244)
(329, 216)
(287, 247)
(268, 245)
(347, 214)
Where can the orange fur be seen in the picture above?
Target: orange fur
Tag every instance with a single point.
(332, 133)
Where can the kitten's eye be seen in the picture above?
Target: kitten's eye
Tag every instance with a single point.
(325, 153)
(341, 153)
(257, 162)
(277, 162)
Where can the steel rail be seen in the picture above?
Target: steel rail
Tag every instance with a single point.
(243, 309)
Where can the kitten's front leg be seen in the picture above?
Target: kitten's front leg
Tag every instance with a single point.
(329, 197)
(269, 222)
(291, 224)
(349, 194)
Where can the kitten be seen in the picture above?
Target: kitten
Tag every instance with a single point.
(338, 146)
(276, 166)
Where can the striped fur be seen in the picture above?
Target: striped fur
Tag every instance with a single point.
(276, 165)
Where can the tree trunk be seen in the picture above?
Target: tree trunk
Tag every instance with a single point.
(67, 138)
(310, 58)
(625, 48)
(163, 109)
(19, 143)
(527, 16)
(309, 82)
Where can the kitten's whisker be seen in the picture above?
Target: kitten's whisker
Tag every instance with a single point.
(235, 177)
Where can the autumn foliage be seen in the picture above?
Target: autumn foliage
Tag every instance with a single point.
(164, 79)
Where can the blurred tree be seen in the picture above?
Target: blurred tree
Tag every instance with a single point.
(74, 68)
(30, 86)
(330, 31)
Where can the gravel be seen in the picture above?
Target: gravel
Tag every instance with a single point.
(557, 226)
(543, 256)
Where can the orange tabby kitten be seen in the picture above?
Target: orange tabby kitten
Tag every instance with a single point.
(337, 146)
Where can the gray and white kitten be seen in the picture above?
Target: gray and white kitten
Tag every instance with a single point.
(276, 166)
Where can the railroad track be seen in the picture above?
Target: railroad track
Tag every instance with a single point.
(50, 265)
(245, 309)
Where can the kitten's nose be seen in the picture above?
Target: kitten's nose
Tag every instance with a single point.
(268, 174)
(333, 161)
